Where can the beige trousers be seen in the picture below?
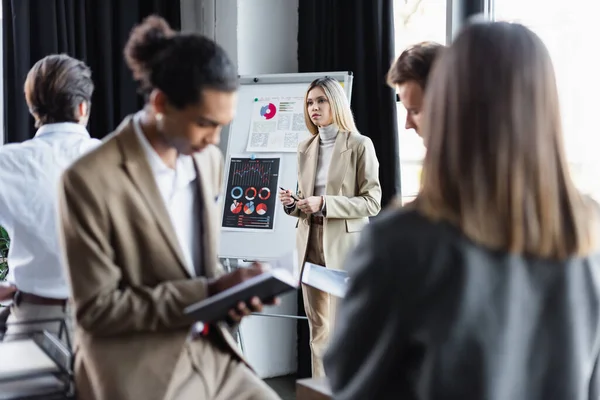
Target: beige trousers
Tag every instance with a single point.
(319, 306)
(25, 312)
(206, 372)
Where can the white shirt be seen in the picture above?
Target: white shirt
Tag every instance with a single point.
(327, 136)
(180, 195)
(30, 173)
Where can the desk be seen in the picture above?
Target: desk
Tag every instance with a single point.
(313, 389)
(36, 366)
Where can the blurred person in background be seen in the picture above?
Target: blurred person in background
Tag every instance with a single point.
(409, 76)
(140, 231)
(487, 286)
(58, 91)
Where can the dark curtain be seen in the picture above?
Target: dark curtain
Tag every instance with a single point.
(356, 36)
(94, 31)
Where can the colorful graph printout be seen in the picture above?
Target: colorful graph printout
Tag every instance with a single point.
(251, 196)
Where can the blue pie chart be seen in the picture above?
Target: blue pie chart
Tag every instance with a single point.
(249, 207)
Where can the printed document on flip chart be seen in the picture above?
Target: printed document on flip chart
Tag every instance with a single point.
(277, 125)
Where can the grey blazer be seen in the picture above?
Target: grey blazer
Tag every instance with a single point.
(431, 315)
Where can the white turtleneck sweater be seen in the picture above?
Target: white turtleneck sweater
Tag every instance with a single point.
(327, 136)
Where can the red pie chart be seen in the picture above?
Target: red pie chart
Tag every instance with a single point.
(261, 209)
(236, 207)
(268, 111)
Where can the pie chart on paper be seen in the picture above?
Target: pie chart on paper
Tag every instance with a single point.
(268, 111)
(261, 209)
(236, 207)
(249, 207)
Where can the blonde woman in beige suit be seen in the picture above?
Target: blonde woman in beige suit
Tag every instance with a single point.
(338, 190)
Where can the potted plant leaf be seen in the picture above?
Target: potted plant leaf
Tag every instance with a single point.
(4, 243)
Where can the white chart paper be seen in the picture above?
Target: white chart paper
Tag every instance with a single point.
(277, 124)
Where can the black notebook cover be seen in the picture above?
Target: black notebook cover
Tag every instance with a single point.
(264, 286)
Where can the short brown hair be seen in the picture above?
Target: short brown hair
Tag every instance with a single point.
(414, 64)
(495, 163)
(55, 86)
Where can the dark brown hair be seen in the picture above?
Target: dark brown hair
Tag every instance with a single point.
(414, 64)
(180, 65)
(495, 164)
(55, 86)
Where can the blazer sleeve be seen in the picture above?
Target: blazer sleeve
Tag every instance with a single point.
(103, 306)
(367, 203)
(370, 329)
(295, 211)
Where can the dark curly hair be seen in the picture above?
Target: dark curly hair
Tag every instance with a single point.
(180, 65)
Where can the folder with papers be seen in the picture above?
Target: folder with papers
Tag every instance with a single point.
(332, 281)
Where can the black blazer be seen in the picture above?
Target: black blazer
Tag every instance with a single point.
(431, 315)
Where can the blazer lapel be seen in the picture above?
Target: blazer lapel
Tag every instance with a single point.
(140, 173)
(340, 160)
(208, 215)
(308, 167)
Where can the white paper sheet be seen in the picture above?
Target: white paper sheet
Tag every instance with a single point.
(277, 124)
(332, 281)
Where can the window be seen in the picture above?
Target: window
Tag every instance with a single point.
(415, 21)
(569, 30)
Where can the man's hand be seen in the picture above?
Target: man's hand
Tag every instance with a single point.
(311, 205)
(7, 292)
(234, 278)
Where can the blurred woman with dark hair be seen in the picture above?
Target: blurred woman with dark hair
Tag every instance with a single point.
(487, 286)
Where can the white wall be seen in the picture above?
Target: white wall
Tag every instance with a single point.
(261, 37)
(267, 43)
(267, 36)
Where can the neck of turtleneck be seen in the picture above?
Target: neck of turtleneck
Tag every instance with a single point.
(328, 133)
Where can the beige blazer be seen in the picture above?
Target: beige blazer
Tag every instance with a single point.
(353, 194)
(129, 282)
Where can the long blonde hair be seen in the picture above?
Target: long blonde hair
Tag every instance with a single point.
(495, 163)
(340, 107)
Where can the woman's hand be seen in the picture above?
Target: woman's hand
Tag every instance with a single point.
(311, 205)
(285, 196)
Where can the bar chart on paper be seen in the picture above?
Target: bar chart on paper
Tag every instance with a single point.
(251, 193)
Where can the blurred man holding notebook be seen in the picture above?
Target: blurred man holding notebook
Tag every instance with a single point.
(140, 229)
